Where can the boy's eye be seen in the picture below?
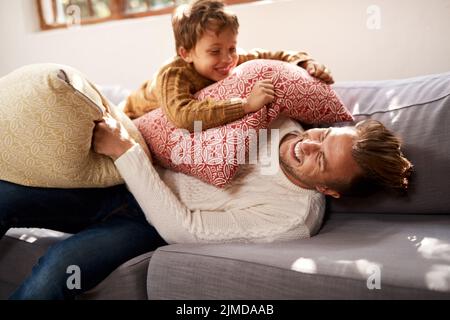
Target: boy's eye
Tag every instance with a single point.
(232, 50)
(215, 52)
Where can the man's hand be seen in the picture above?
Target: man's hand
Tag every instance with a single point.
(262, 93)
(111, 138)
(318, 71)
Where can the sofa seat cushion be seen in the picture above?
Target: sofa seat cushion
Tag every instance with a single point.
(21, 248)
(407, 256)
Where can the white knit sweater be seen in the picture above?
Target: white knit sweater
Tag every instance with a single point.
(255, 207)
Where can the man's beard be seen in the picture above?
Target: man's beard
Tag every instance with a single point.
(289, 169)
(306, 183)
(285, 164)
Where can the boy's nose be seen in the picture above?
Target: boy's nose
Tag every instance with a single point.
(227, 58)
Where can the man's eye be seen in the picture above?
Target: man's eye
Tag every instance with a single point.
(320, 159)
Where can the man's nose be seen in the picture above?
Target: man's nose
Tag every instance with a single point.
(310, 146)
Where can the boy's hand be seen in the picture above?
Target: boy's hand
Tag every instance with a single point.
(262, 93)
(111, 138)
(318, 71)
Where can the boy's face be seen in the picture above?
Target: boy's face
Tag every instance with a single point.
(214, 56)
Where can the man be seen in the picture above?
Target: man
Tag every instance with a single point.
(259, 208)
(110, 227)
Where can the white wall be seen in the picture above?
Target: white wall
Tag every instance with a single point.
(412, 39)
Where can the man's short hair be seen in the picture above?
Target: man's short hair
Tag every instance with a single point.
(377, 152)
(190, 21)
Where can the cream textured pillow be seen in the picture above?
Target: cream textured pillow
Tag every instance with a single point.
(47, 115)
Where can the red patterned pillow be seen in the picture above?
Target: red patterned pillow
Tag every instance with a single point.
(214, 155)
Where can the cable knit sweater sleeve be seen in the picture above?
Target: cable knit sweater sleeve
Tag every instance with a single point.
(176, 223)
(177, 86)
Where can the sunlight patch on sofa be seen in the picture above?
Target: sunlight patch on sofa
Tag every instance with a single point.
(438, 278)
(356, 109)
(32, 235)
(432, 248)
(304, 265)
(361, 266)
(389, 93)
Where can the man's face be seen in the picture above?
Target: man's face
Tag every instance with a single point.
(317, 157)
(214, 56)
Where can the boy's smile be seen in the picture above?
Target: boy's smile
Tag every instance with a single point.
(214, 56)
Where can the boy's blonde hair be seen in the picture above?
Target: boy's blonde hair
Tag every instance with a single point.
(190, 21)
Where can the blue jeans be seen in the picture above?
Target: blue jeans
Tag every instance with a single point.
(108, 225)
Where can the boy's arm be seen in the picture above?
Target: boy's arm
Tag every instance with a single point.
(288, 56)
(302, 59)
(183, 109)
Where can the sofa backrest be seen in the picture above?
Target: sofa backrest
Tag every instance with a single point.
(418, 110)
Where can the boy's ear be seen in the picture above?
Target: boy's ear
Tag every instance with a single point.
(185, 54)
(328, 191)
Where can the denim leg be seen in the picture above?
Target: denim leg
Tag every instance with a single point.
(96, 251)
(67, 210)
(109, 226)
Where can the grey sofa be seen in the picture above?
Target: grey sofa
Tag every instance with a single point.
(381, 247)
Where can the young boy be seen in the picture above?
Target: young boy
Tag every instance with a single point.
(206, 37)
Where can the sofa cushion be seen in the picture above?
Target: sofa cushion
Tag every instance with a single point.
(127, 282)
(20, 249)
(406, 256)
(214, 155)
(47, 118)
(417, 109)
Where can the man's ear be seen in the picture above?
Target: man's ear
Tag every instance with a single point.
(328, 191)
(185, 54)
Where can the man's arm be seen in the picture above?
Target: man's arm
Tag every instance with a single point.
(177, 224)
(262, 222)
